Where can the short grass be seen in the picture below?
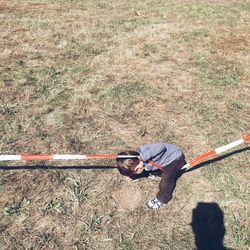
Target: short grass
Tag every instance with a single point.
(100, 77)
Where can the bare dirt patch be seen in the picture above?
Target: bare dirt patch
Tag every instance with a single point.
(127, 197)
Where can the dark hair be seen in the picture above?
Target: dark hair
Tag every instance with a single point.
(126, 166)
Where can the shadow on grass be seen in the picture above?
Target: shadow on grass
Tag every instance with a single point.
(208, 226)
(203, 164)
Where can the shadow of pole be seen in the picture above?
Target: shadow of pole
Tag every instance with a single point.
(208, 226)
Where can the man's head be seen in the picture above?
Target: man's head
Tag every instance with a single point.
(130, 166)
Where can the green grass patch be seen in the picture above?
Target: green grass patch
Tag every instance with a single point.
(132, 90)
(193, 36)
(125, 25)
(79, 48)
(203, 10)
(217, 72)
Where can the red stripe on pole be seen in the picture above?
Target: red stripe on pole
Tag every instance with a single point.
(203, 157)
(113, 156)
(40, 157)
(247, 138)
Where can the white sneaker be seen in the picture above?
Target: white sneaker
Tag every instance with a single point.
(154, 204)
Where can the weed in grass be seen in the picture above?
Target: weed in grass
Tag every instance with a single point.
(84, 50)
(240, 232)
(30, 79)
(37, 56)
(142, 131)
(15, 244)
(7, 109)
(234, 187)
(125, 25)
(149, 49)
(55, 205)
(79, 190)
(93, 224)
(75, 143)
(59, 99)
(46, 240)
(204, 10)
(125, 243)
(81, 243)
(3, 225)
(83, 69)
(165, 245)
(56, 176)
(237, 226)
(165, 133)
(38, 126)
(208, 111)
(237, 105)
(52, 72)
(2, 181)
(14, 209)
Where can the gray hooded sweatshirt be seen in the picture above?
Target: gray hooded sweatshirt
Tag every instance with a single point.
(160, 153)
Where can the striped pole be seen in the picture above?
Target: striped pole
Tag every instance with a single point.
(214, 152)
(46, 157)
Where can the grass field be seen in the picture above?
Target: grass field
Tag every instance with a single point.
(103, 76)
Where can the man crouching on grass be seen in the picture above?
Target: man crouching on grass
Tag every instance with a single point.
(166, 157)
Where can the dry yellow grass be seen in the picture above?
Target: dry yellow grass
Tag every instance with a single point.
(99, 77)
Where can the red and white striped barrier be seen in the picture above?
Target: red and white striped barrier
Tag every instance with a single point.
(46, 157)
(215, 152)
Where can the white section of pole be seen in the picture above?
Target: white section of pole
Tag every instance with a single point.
(10, 157)
(69, 157)
(228, 146)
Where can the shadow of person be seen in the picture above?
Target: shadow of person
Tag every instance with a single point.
(208, 226)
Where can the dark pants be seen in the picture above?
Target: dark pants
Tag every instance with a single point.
(170, 174)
